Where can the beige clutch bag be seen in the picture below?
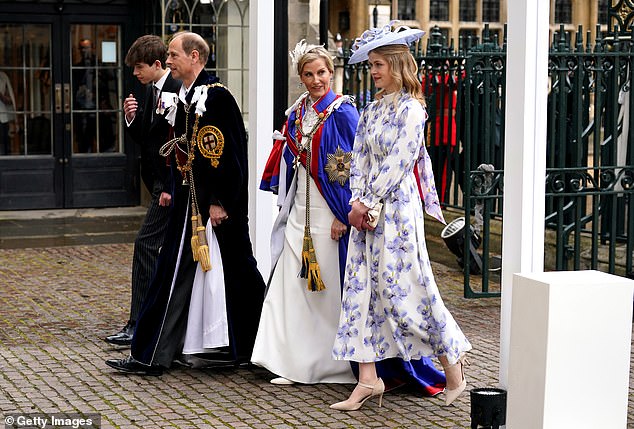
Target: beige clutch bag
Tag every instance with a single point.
(374, 213)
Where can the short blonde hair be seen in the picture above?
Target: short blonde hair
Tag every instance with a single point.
(318, 52)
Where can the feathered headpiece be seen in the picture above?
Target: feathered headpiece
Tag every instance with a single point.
(301, 49)
(375, 37)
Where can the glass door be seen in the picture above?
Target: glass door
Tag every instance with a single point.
(94, 72)
(25, 86)
(61, 136)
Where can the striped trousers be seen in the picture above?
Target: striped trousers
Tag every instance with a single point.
(147, 244)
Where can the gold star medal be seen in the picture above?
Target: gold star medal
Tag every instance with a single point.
(338, 166)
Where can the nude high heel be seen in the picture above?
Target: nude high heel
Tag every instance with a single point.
(451, 395)
(377, 390)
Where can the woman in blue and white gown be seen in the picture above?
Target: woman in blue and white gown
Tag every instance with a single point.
(298, 325)
(391, 305)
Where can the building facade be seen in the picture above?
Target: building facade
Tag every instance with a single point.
(460, 21)
(62, 77)
(455, 18)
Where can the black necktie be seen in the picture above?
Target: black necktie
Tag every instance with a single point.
(155, 98)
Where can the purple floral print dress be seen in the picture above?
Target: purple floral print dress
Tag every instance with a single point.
(391, 306)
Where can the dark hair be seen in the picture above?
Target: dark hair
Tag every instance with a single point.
(147, 49)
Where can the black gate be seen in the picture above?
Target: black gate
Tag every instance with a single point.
(589, 177)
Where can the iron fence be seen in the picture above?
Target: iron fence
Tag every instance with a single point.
(589, 176)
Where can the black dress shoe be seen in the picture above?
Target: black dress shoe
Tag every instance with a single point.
(133, 366)
(123, 337)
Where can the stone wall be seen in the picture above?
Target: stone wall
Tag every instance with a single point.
(303, 23)
(298, 28)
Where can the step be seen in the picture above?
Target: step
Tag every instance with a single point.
(46, 228)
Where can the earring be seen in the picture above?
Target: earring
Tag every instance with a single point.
(299, 85)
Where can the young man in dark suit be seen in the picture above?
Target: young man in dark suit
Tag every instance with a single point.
(150, 130)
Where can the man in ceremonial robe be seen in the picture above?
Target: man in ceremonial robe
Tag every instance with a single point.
(208, 158)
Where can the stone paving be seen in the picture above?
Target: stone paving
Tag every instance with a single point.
(59, 302)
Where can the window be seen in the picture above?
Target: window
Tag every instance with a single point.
(407, 10)
(224, 24)
(491, 10)
(469, 37)
(25, 90)
(439, 10)
(603, 11)
(467, 10)
(563, 11)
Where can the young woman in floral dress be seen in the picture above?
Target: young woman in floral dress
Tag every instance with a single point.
(391, 305)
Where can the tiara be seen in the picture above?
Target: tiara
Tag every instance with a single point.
(301, 49)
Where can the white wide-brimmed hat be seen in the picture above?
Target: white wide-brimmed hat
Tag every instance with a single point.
(375, 37)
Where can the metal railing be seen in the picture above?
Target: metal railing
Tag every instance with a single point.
(589, 177)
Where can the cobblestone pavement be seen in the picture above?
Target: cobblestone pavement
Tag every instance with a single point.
(59, 302)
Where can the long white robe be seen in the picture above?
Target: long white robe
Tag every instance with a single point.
(297, 326)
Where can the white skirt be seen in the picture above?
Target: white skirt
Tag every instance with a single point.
(297, 326)
(207, 326)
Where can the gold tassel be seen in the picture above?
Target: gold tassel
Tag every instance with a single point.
(310, 268)
(201, 235)
(203, 248)
(194, 239)
(204, 258)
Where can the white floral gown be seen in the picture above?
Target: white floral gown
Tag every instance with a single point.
(391, 306)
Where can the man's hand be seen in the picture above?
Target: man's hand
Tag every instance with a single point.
(217, 214)
(130, 106)
(165, 199)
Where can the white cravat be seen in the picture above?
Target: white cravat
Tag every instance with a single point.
(182, 94)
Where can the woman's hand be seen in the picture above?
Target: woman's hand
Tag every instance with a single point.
(338, 229)
(357, 216)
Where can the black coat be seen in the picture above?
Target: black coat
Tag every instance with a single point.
(161, 327)
(151, 132)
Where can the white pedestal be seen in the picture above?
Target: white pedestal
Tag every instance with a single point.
(569, 361)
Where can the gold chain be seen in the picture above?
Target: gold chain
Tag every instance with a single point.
(300, 135)
(191, 148)
(300, 132)
(186, 169)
